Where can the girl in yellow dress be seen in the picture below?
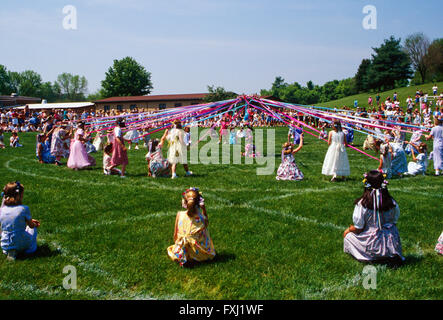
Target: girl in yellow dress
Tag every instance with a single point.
(191, 235)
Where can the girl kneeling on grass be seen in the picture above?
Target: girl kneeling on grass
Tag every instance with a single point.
(157, 165)
(107, 165)
(19, 233)
(191, 235)
(374, 236)
(419, 165)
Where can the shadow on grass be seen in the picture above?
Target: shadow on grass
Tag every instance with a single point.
(219, 258)
(43, 251)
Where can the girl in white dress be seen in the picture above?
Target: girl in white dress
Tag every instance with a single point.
(177, 152)
(336, 161)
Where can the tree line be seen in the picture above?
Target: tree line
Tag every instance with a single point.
(126, 77)
(392, 65)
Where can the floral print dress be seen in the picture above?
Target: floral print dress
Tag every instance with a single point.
(193, 242)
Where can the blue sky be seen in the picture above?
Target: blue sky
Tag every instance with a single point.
(241, 45)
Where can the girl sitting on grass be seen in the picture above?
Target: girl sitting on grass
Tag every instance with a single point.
(191, 235)
(374, 236)
(19, 233)
(157, 165)
(288, 169)
(419, 163)
(43, 151)
(14, 141)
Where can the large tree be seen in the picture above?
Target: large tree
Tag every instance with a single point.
(29, 83)
(72, 87)
(416, 46)
(361, 77)
(5, 81)
(434, 60)
(390, 64)
(127, 78)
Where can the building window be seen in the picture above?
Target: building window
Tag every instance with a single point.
(119, 108)
(178, 105)
(107, 108)
(162, 106)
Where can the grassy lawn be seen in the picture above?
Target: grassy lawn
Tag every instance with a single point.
(274, 239)
(402, 93)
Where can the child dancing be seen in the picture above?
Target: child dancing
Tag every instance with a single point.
(288, 169)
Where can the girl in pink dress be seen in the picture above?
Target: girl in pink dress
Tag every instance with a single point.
(78, 157)
(119, 154)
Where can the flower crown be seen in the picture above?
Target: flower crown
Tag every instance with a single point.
(17, 188)
(200, 196)
(369, 186)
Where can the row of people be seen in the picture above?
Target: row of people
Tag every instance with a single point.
(373, 236)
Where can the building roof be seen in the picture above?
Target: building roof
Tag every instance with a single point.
(67, 105)
(17, 100)
(153, 98)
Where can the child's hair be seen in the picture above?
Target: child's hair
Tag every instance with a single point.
(337, 125)
(12, 193)
(192, 199)
(187, 129)
(108, 149)
(178, 124)
(153, 145)
(375, 180)
(423, 147)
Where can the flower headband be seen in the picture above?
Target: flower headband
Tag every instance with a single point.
(369, 186)
(17, 188)
(191, 189)
(201, 202)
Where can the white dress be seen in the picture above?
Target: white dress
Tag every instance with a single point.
(177, 152)
(336, 160)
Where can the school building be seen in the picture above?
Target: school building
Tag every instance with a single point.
(149, 103)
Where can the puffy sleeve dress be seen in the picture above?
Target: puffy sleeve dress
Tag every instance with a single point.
(193, 240)
(379, 239)
(78, 157)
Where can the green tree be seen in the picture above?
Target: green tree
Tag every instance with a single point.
(29, 83)
(73, 87)
(434, 60)
(389, 64)
(416, 46)
(218, 94)
(50, 92)
(5, 81)
(127, 78)
(361, 77)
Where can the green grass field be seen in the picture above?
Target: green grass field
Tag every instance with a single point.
(403, 94)
(274, 239)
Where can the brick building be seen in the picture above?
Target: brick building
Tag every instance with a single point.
(151, 102)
